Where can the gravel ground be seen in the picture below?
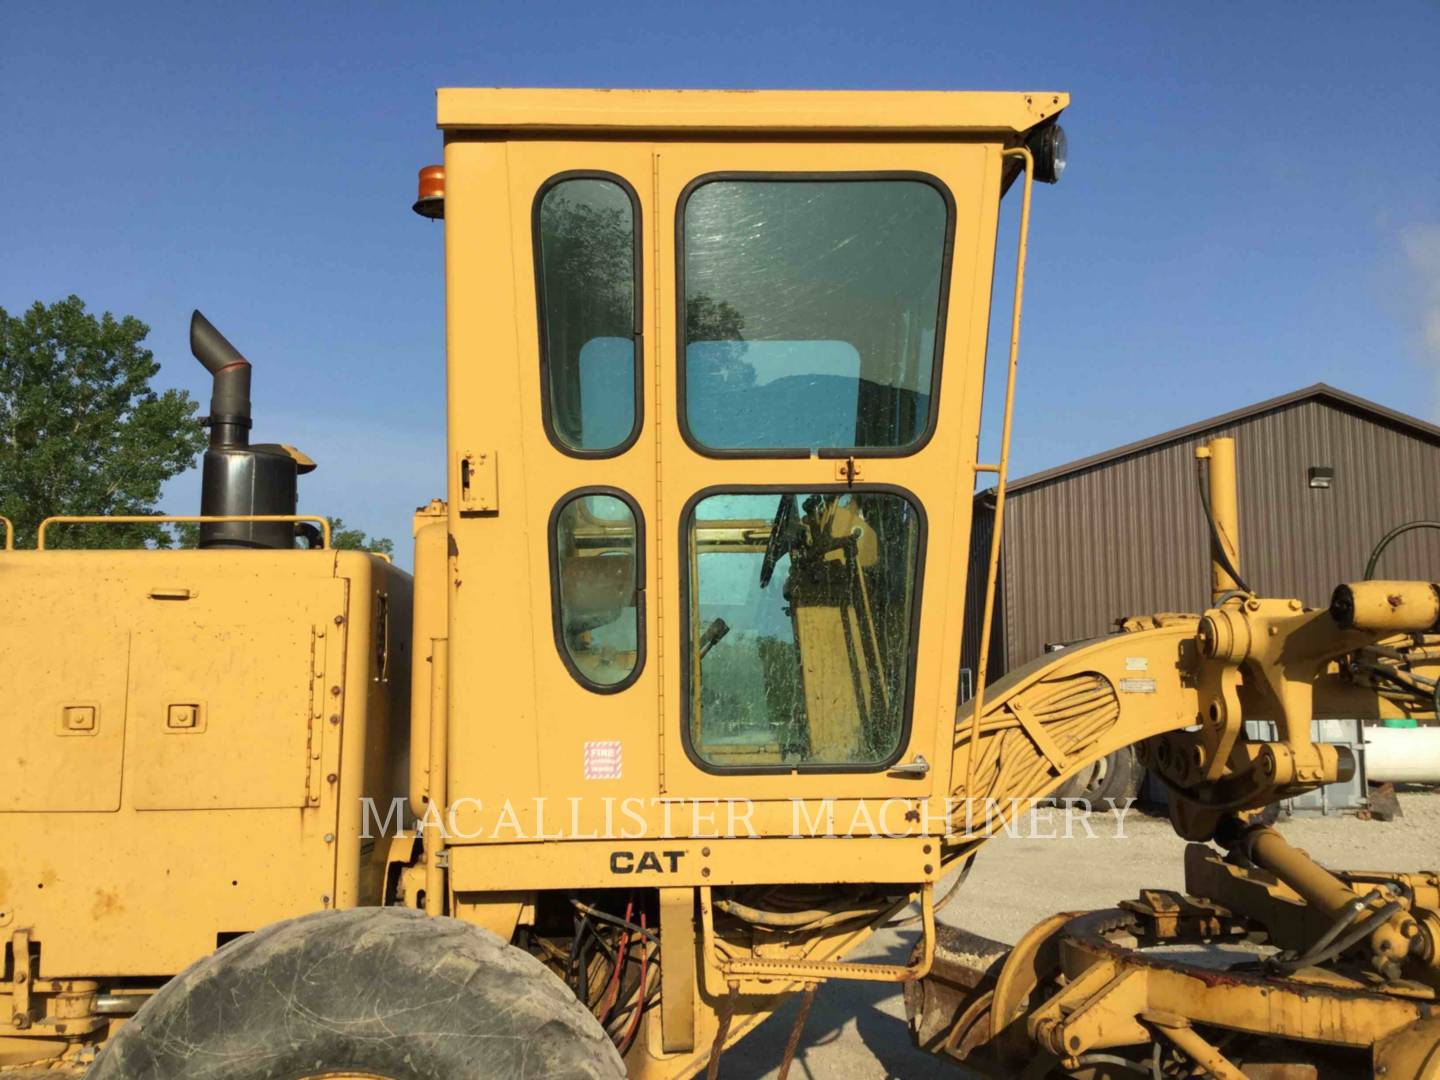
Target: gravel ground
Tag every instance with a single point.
(856, 1031)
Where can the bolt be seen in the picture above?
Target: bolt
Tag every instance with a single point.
(325, 900)
(330, 777)
(704, 871)
(925, 850)
(334, 691)
(339, 620)
(1409, 929)
(329, 837)
(705, 852)
(334, 718)
(929, 869)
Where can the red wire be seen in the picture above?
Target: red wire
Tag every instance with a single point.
(621, 955)
(640, 998)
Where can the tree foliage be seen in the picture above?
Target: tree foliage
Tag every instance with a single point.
(345, 538)
(82, 431)
(342, 537)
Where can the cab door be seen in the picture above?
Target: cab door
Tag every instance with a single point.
(575, 665)
(815, 442)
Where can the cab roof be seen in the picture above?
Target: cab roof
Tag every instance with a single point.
(937, 112)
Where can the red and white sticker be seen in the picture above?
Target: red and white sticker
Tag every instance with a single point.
(602, 759)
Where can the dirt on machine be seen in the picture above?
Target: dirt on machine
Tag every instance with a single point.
(664, 723)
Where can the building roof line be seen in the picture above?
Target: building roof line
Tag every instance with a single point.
(1318, 391)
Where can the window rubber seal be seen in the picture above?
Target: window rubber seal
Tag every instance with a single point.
(687, 521)
(637, 229)
(556, 614)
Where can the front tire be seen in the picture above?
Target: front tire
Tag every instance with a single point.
(375, 992)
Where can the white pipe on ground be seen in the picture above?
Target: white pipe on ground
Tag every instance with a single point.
(1402, 755)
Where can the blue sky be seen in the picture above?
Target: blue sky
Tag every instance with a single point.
(1253, 202)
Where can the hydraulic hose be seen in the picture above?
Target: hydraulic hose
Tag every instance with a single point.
(1221, 556)
(1385, 541)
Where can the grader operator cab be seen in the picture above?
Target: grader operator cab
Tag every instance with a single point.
(673, 726)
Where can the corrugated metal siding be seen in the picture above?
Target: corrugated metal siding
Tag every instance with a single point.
(1128, 536)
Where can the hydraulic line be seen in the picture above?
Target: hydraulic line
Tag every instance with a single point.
(1217, 544)
(1386, 540)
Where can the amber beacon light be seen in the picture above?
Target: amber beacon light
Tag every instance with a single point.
(431, 203)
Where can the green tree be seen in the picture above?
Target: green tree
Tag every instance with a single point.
(348, 539)
(82, 431)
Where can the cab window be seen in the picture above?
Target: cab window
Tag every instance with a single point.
(812, 310)
(597, 570)
(801, 609)
(587, 251)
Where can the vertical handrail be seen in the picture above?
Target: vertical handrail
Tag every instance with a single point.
(434, 831)
(1001, 471)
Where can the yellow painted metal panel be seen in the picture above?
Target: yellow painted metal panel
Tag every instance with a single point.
(253, 685)
(62, 715)
(146, 892)
(745, 110)
(668, 863)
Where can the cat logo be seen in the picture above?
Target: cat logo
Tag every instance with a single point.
(630, 862)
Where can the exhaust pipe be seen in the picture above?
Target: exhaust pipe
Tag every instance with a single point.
(239, 479)
(229, 417)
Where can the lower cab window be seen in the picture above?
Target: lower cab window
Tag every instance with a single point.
(801, 613)
(597, 560)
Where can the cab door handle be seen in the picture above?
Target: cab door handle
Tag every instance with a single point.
(916, 768)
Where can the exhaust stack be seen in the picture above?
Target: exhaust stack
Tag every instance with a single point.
(229, 417)
(238, 478)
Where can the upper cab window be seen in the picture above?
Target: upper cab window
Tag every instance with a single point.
(587, 251)
(813, 312)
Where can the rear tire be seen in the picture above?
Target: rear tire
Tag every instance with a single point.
(385, 992)
(1122, 778)
(1105, 783)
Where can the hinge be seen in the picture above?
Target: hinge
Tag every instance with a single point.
(848, 471)
(319, 700)
(479, 482)
(22, 980)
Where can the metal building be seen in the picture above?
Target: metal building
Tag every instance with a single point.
(1322, 474)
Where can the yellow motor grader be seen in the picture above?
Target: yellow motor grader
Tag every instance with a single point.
(665, 724)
